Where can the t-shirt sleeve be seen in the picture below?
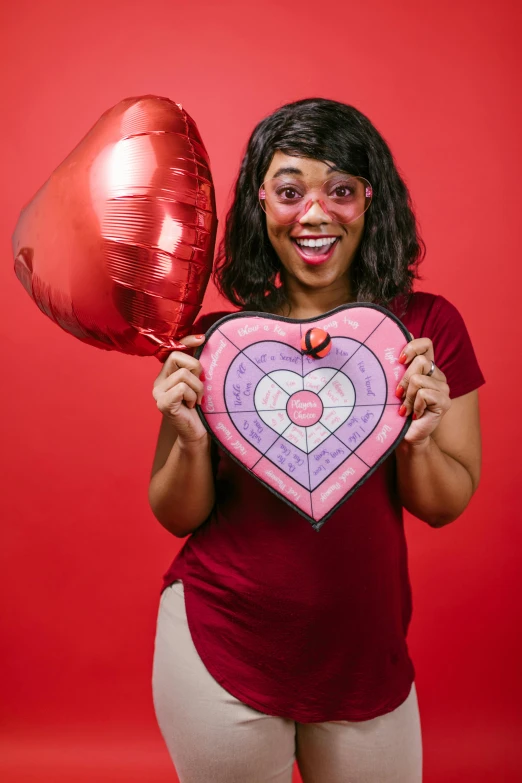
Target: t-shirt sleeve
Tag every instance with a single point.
(454, 352)
(203, 322)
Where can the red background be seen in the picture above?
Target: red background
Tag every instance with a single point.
(83, 555)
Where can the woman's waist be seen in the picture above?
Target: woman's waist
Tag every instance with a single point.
(286, 591)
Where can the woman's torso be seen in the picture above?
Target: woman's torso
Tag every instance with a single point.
(305, 624)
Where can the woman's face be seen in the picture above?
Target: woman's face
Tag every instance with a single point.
(302, 266)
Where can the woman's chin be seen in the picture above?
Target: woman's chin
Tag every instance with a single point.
(322, 277)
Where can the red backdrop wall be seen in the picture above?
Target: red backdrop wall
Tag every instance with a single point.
(83, 556)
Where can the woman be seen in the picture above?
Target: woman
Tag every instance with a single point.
(275, 643)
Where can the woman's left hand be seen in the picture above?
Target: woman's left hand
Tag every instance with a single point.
(425, 396)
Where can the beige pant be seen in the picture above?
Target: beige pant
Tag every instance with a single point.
(214, 738)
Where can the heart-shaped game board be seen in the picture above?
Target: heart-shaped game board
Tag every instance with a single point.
(310, 429)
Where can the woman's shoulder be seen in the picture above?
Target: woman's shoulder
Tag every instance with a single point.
(203, 322)
(434, 316)
(423, 312)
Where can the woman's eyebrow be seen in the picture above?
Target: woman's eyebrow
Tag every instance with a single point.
(293, 170)
(287, 170)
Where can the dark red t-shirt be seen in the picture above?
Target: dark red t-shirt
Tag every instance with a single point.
(305, 625)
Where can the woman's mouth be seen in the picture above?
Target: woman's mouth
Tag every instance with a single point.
(315, 250)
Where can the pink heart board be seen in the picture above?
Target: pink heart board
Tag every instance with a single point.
(312, 430)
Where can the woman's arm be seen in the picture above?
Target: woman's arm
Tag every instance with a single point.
(181, 489)
(438, 475)
(438, 462)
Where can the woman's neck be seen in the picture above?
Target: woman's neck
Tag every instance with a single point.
(311, 303)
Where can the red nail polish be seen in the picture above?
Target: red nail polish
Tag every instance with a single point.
(202, 400)
(199, 336)
(202, 376)
(402, 410)
(399, 392)
(402, 358)
(414, 416)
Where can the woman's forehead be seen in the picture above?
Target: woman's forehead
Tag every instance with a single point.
(282, 164)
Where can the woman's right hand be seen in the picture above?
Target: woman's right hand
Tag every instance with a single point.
(178, 389)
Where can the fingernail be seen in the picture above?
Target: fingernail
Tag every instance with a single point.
(203, 400)
(414, 416)
(402, 358)
(399, 391)
(402, 410)
(202, 376)
(199, 336)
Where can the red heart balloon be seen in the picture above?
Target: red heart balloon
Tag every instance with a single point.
(117, 246)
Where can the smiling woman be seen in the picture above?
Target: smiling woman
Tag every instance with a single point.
(274, 643)
(323, 175)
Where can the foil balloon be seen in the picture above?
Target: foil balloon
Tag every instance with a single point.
(117, 246)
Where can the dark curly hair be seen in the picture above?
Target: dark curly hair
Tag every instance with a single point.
(386, 262)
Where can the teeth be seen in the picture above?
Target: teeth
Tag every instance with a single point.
(316, 242)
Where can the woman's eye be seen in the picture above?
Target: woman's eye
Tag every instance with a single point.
(289, 193)
(343, 191)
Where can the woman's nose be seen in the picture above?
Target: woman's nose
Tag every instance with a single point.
(315, 213)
